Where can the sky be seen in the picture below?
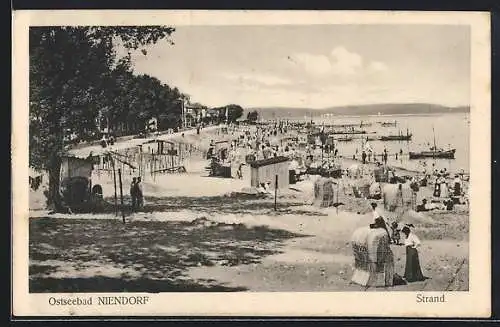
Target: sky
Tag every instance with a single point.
(314, 66)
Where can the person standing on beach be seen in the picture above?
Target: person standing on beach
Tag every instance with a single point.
(444, 188)
(437, 187)
(133, 194)
(363, 157)
(413, 272)
(385, 156)
(457, 186)
(138, 193)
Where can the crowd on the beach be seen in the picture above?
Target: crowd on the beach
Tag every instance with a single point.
(250, 143)
(275, 139)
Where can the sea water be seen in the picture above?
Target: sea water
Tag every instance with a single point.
(449, 130)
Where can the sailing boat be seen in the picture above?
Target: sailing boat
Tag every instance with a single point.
(434, 152)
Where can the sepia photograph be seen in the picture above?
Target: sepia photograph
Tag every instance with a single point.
(297, 157)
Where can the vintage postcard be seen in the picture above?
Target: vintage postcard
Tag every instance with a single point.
(303, 163)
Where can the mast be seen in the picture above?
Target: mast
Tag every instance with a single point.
(434, 134)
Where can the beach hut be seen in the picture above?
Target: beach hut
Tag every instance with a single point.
(313, 138)
(266, 170)
(324, 192)
(380, 174)
(361, 188)
(76, 167)
(398, 197)
(373, 258)
(75, 181)
(375, 191)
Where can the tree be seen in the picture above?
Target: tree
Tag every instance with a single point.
(234, 112)
(71, 79)
(253, 116)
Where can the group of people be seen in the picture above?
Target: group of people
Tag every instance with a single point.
(442, 189)
(259, 142)
(413, 271)
(136, 193)
(367, 154)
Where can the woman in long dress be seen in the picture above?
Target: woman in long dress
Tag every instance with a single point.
(437, 187)
(413, 272)
(444, 189)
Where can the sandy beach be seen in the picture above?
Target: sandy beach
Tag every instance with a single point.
(200, 233)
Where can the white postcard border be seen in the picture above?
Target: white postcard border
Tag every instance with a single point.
(474, 303)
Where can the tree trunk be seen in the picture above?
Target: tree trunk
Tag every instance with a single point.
(54, 197)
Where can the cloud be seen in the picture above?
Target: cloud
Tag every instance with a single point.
(313, 64)
(345, 62)
(377, 66)
(339, 62)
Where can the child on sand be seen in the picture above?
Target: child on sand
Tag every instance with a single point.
(396, 236)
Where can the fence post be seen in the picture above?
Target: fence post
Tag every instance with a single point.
(276, 194)
(337, 200)
(114, 182)
(121, 193)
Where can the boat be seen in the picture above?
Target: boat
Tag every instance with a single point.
(350, 125)
(388, 123)
(344, 139)
(433, 152)
(370, 138)
(397, 137)
(352, 131)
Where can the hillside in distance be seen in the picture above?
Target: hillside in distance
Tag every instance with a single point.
(359, 110)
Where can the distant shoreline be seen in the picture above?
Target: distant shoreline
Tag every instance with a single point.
(372, 115)
(362, 110)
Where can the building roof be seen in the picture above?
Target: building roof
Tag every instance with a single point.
(267, 162)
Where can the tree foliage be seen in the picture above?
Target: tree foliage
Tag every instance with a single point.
(253, 116)
(73, 75)
(139, 98)
(234, 112)
(80, 79)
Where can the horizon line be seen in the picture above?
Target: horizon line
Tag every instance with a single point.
(358, 105)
